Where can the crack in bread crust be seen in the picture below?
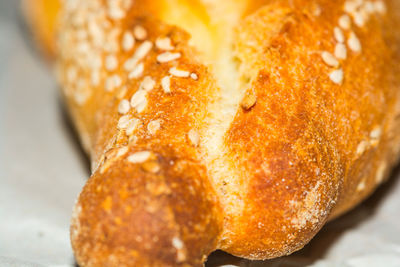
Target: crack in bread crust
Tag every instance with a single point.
(212, 27)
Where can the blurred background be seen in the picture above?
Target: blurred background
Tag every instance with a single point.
(42, 170)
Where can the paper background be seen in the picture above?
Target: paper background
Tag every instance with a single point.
(42, 170)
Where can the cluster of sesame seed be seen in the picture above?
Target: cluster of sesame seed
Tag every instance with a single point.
(88, 45)
(99, 53)
(135, 69)
(116, 9)
(357, 12)
(99, 56)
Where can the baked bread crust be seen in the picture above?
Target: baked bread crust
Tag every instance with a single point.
(244, 127)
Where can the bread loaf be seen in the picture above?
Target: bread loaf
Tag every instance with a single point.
(237, 125)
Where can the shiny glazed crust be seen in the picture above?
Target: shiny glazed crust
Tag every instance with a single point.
(234, 125)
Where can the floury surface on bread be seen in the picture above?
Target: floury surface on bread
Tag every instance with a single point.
(235, 125)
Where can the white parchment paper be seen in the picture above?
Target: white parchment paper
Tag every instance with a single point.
(42, 170)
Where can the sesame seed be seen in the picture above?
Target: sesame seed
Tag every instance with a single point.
(336, 76)
(80, 84)
(194, 137)
(124, 106)
(339, 36)
(354, 43)
(361, 186)
(105, 24)
(95, 77)
(359, 19)
(137, 71)
(374, 142)
(140, 157)
(166, 84)
(131, 126)
(94, 28)
(122, 151)
(81, 97)
(380, 173)
(317, 10)
(96, 33)
(181, 256)
(95, 61)
(142, 106)
(130, 64)
(111, 62)
(340, 51)
(78, 21)
(375, 133)
(111, 46)
(369, 7)
(113, 82)
(138, 97)
(345, 22)
(179, 73)
(122, 92)
(112, 43)
(147, 84)
(168, 56)
(123, 122)
(350, 6)
(248, 101)
(126, 4)
(115, 12)
(177, 243)
(143, 50)
(72, 74)
(362, 146)
(128, 42)
(164, 43)
(83, 48)
(380, 7)
(329, 59)
(139, 100)
(71, 5)
(139, 32)
(194, 76)
(153, 126)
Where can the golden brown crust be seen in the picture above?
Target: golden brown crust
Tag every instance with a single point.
(192, 153)
(308, 145)
(144, 220)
